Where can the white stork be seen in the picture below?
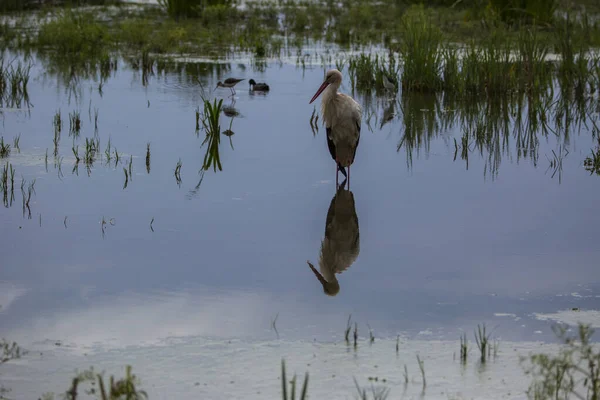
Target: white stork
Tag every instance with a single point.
(342, 118)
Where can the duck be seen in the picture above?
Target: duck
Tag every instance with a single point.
(258, 87)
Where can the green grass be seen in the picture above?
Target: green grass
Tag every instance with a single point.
(215, 26)
(195, 8)
(77, 34)
(420, 50)
(13, 83)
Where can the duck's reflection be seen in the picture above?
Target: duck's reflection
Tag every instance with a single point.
(341, 245)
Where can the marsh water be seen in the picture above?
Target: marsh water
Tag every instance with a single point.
(187, 268)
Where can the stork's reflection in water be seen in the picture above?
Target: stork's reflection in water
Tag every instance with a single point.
(341, 245)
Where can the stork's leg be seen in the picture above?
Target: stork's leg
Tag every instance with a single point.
(348, 177)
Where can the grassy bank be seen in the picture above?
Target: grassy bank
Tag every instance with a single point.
(217, 27)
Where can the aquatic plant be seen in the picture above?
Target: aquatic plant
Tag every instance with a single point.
(77, 34)
(464, 350)
(483, 341)
(9, 351)
(126, 178)
(148, 157)
(124, 388)
(4, 148)
(422, 369)
(573, 372)
(178, 172)
(210, 122)
(4, 184)
(419, 49)
(378, 393)
(13, 83)
(592, 162)
(371, 336)
(74, 123)
(348, 328)
(535, 72)
(191, 8)
(525, 11)
(75, 150)
(16, 143)
(284, 384)
(57, 121)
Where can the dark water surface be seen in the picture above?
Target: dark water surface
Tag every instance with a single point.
(442, 248)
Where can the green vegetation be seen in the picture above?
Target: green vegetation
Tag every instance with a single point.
(195, 8)
(125, 388)
(13, 83)
(482, 339)
(4, 148)
(210, 122)
(420, 50)
(9, 351)
(74, 33)
(292, 390)
(464, 349)
(573, 372)
(215, 27)
(592, 162)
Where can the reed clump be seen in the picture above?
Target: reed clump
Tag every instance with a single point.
(420, 51)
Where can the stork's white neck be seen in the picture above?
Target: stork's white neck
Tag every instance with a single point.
(330, 92)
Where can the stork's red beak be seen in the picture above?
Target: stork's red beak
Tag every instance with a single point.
(317, 274)
(323, 86)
